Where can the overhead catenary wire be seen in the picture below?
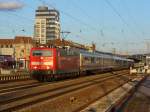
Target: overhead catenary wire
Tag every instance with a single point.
(135, 31)
(12, 12)
(117, 13)
(120, 16)
(99, 32)
(14, 28)
(82, 10)
(89, 17)
(24, 18)
(70, 16)
(135, 24)
(67, 14)
(19, 18)
(132, 18)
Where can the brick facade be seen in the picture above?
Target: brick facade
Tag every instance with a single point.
(19, 47)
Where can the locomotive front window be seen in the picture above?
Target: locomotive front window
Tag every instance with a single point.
(41, 53)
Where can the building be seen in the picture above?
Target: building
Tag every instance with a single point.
(47, 25)
(7, 47)
(19, 48)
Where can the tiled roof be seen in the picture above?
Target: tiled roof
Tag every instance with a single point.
(6, 41)
(23, 39)
(18, 39)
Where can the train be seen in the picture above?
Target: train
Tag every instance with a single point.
(54, 63)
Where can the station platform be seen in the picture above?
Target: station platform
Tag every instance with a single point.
(140, 101)
(113, 101)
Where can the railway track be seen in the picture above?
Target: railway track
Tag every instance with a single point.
(14, 98)
(18, 85)
(14, 85)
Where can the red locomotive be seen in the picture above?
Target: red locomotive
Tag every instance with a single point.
(52, 63)
(49, 63)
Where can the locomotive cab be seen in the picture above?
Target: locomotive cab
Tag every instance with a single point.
(42, 61)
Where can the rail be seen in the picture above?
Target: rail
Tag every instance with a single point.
(30, 96)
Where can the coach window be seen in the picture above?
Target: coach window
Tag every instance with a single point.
(109, 61)
(124, 63)
(97, 60)
(104, 61)
(86, 60)
(92, 60)
(63, 53)
(68, 52)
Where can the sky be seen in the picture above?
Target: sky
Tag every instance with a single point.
(120, 25)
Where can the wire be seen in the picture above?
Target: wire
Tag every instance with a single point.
(90, 18)
(132, 17)
(20, 16)
(82, 10)
(70, 16)
(119, 15)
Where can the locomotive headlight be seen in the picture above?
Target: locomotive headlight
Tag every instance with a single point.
(35, 67)
(48, 67)
(48, 63)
